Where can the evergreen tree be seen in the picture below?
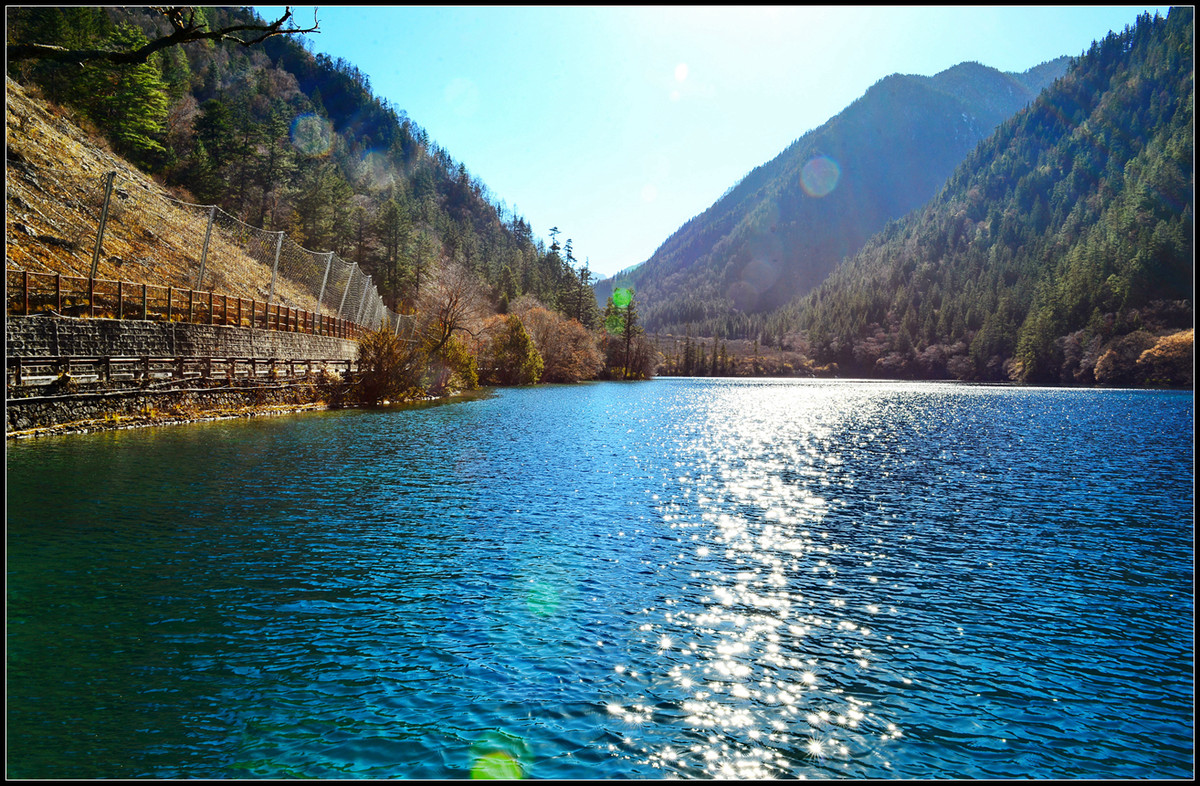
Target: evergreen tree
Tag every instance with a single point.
(130, 102)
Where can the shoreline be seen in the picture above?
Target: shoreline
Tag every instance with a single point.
(124, 422)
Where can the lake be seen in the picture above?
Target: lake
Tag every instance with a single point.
(678, 578)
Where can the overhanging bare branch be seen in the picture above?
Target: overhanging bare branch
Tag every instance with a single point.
(185, 30)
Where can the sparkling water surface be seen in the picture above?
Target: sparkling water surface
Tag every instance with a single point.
(680, 578)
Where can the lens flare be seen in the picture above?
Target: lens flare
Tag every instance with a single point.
(312, 135)
(500, 756)
(497, 766)
(375, 167)
(542, 598)
(820, 176)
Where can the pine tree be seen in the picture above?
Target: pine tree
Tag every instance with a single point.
(130, 102)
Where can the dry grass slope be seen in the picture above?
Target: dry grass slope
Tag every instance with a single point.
(54, 189)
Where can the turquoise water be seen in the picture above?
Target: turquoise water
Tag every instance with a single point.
(681, 578)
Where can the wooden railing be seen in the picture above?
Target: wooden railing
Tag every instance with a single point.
(44, 370)
(33, 293)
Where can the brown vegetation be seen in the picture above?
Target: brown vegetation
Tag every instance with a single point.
(54, 192)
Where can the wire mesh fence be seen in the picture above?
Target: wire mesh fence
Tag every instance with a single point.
(101, 225)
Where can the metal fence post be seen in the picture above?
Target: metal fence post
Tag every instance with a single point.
(325, 280)
(108, 184)
(363, 302)
(212, 214)
(275, 268)
(346, 291)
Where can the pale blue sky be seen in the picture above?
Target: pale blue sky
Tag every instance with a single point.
(617, 124)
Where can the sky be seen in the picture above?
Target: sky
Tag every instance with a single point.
(617, 124)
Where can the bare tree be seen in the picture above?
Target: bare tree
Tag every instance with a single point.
(452, 302)
(570, 352)
(185, 29)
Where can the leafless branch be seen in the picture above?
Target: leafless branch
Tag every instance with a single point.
(185, 30)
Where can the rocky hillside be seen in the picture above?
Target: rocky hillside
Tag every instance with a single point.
(55, 182)
(779, 232)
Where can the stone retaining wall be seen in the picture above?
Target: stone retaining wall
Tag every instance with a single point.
(108, 405)
(42, 336)
(105, 409)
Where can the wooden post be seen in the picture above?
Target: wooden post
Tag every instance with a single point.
(17, 363)
(239, 311)
(58, 292)
(210, 307)
(191, 292)
(25, 286)
(170, 292)
(108, 184)
(145, 305)
(120, 300)
(91, 297)
(212, 214)
(224, 309)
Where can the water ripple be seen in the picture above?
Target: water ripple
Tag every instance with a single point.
(679, 579)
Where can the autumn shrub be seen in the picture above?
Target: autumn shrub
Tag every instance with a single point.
(510, 356)
(1170, 362)
(451, 368)
(569, 351)
(1117, 364)
(390, 369)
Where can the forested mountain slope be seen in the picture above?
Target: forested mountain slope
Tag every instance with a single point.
(1061, 250)
(285, 139)
(779, 231)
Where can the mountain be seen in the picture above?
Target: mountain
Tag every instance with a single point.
(778, 232)
(284, 139)
(1060, 251)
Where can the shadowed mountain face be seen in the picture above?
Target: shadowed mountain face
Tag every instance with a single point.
(1061, 250)
(779, 232)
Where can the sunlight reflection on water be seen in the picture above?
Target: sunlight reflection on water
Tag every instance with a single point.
(782, 667)
(755, 679)
(687, 578)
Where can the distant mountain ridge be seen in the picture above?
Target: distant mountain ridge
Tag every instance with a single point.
(1061, 251)
(779, 232)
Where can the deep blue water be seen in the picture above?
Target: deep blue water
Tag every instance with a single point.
(681, 578)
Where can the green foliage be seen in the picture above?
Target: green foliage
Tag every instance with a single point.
(452, 368)
(778, 232)
(390, 369)
(514, 357)
(1074, 222)
(129, 102)
(285, 139)
(628, 353)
